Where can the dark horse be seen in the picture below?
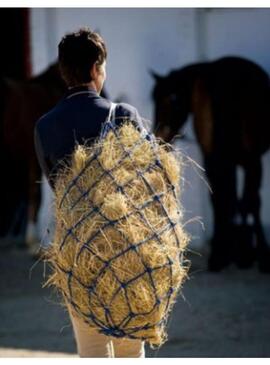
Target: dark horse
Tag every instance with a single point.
(230, 102)
(22, 104)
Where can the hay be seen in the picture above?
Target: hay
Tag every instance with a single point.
(117, 254)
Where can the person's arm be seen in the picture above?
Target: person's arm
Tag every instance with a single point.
(42, 159)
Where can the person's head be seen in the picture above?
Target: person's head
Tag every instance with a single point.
(82, 59)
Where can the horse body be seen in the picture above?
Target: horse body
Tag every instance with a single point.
(24, 103)
(229, 100)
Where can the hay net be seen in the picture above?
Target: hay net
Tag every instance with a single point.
(118, 249)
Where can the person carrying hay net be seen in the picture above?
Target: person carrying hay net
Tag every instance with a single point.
(117, 255)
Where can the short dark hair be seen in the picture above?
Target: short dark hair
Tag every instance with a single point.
(77, 53)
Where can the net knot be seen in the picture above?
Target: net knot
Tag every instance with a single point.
(113, 331)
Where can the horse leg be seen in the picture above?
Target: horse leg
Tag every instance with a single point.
(221, 173)
(251, 204)
(244, 253)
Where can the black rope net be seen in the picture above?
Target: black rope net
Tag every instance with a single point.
(118, 250)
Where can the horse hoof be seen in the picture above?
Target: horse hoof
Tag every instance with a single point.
(217, 262)
(263, 259)
(246, 259)
(263, 268)
(244, 254)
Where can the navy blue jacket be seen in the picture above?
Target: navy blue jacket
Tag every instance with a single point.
(77, 118)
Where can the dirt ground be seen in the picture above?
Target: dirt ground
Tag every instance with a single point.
(221, 315)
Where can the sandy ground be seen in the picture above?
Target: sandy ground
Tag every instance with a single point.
(222, 315)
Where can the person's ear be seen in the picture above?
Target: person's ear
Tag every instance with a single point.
(94, 71)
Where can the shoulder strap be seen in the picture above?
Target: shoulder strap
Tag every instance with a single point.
(107, 124)
(111, 115)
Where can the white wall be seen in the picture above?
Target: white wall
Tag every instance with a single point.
(39, 40)
(244, 32)
(160, 39)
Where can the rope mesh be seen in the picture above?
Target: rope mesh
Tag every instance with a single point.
(108, 326)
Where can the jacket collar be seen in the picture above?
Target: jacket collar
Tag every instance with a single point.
(80, 90)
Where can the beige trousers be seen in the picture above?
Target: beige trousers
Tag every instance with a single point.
(91, 343)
